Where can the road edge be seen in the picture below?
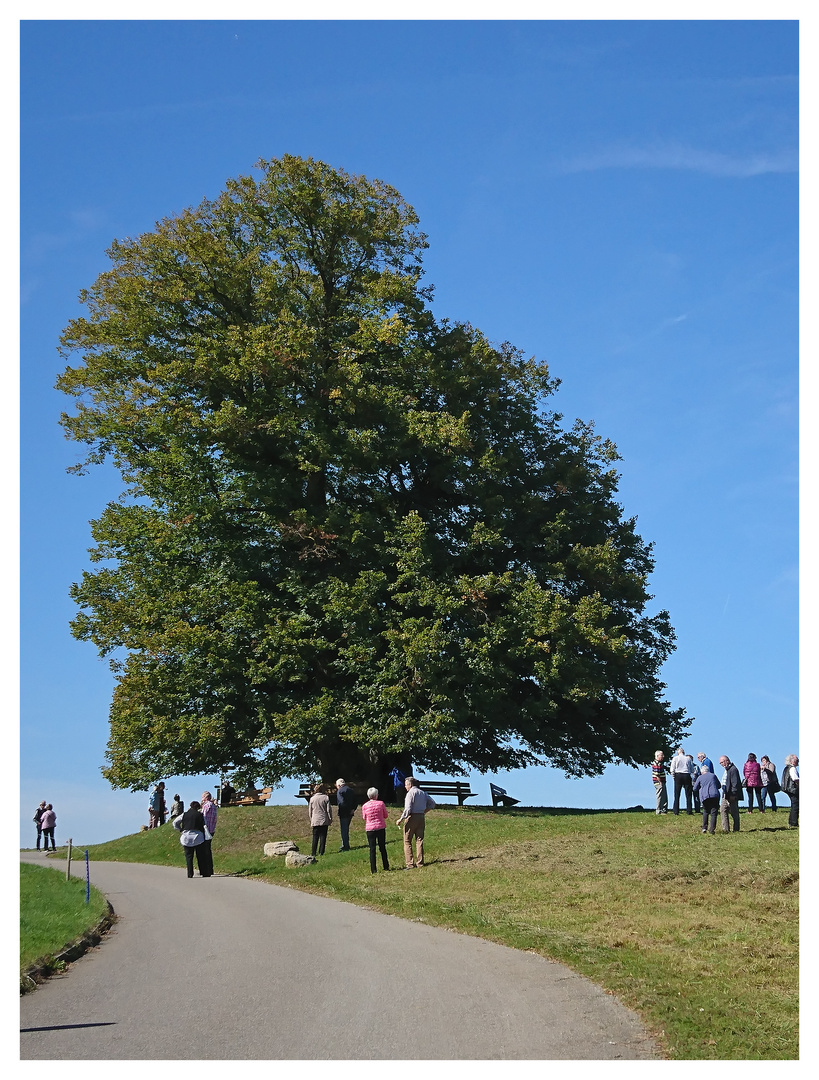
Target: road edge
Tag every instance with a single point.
(47, 966)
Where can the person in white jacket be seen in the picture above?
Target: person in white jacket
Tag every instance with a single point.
(681, 776)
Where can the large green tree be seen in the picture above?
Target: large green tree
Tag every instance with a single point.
(350, 534)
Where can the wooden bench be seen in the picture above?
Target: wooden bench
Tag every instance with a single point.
(251, 797)
(499, 796)
(458, 788)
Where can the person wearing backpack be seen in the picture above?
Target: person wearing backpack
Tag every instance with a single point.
(347, 802)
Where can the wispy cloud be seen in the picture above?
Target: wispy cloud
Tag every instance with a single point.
(680, 157)
(666, 324)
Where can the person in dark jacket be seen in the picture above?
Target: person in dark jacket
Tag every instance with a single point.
(192, 827)
(790, 785)
(346, 802)
(731, 794)
(707, 787)
(38, 819)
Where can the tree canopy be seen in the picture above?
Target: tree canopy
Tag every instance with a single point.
(349, 531)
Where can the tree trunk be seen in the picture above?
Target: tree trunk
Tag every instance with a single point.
(360, 767)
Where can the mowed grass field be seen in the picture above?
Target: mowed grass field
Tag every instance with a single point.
(53, 912)
(699, 934)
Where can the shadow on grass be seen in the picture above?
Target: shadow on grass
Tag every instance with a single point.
(464, 858)
(550, 811)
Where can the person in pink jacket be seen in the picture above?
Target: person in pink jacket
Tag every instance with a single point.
(753, 782)
(374, 813)
(47, 823)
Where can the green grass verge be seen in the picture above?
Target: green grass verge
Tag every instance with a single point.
(699, 934)
(53, 912)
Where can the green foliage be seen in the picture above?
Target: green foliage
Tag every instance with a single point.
(346, 526)
(53, 912)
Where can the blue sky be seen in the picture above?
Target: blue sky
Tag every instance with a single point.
(619, 198)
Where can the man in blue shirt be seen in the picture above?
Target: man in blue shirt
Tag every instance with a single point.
(703, 760)
(397, 779)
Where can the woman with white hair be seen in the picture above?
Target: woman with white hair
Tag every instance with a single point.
(374, 813)
(790, 785)
(707, 787)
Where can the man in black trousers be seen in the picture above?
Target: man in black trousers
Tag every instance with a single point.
(346, 802)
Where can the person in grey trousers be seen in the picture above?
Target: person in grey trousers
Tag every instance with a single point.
(731, 794)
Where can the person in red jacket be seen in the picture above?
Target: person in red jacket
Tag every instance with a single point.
(753, 782)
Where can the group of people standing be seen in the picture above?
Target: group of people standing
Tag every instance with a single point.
(701, 786)
(374, 812)
(321, 814)
(45, 819)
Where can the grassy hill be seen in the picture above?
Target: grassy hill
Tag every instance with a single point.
(698, 933)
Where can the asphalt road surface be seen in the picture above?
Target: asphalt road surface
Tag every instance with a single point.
(234, 969)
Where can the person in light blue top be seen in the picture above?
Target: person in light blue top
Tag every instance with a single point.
(156, 804)
(694, 772)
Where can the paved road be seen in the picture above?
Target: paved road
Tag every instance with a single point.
(232, 969)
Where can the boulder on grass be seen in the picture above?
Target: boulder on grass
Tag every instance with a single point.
(279, 847)
(295, 858)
